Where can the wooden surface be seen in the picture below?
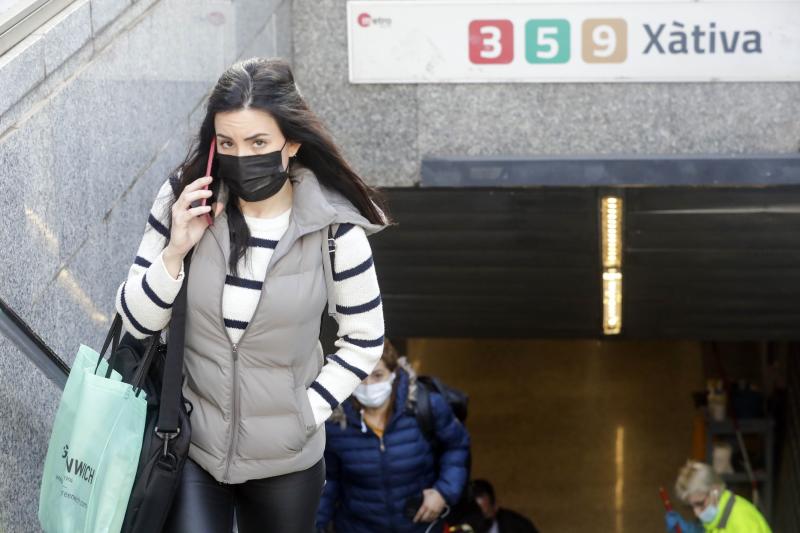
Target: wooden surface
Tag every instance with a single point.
(577, 435)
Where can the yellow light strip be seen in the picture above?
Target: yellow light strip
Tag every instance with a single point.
(611, 220)
(612, 302)
(619, 488)
(611, 223)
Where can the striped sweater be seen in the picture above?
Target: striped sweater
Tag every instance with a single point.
(145, 299)
(242, 291)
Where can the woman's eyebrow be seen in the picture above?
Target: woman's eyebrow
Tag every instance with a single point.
(247, 139)
(256, 135)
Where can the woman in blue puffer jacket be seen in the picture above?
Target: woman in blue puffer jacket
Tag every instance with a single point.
(382, 473)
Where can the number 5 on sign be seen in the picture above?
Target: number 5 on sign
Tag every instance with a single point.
(491, 41)
(547, 41)
(605, 40)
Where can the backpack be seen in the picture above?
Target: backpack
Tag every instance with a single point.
(423, 412)
(466, 507)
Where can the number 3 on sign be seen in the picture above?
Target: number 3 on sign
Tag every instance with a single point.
(491, 41)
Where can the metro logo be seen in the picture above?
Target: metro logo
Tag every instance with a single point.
(491, 41)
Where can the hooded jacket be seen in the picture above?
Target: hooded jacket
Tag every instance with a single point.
(369, 480)
(736, 515)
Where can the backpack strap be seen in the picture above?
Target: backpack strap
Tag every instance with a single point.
(423, 412)
(328, 260)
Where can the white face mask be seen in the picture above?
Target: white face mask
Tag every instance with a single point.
(708, 514)
(375, 394)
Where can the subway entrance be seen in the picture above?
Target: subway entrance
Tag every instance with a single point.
(494, 281)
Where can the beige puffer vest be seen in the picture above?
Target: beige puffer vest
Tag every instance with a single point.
(251, 417)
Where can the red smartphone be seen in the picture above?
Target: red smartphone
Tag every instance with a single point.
(208, 173)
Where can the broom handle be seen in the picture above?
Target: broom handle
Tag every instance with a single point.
(668, 506)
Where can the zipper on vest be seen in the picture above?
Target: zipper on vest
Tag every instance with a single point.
(235, 410)
(235, 353)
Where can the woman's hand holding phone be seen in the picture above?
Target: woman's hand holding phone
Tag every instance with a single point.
(188, 223)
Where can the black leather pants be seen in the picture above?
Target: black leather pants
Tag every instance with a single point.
(280, 504)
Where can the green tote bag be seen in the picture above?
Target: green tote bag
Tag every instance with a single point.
(94, 449)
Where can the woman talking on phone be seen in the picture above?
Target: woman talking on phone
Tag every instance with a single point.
(254, 370)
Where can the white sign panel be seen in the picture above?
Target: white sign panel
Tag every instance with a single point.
(438, 41)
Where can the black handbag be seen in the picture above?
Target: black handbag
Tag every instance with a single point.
(156, 368)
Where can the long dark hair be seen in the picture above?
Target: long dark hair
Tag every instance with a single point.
(268, 85)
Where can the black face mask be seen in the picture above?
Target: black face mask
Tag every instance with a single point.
(253, 177)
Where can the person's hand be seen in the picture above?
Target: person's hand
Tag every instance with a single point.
(432, 506)
(189, 223)
(673, 518)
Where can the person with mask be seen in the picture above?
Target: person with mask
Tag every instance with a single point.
(718, 509)
(382, 473)
(495, 518)
(282, 197)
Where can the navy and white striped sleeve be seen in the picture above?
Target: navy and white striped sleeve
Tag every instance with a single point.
(145, 299)
(360, 317)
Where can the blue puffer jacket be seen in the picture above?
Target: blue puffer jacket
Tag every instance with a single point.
(367, 487)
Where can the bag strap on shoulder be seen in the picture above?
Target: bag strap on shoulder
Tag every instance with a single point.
(173, 367)
(328, 261)
(423, 411)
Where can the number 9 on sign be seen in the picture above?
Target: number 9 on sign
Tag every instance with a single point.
(491, 41)
(605, 40)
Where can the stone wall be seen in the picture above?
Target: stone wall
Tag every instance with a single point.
(95, 108)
